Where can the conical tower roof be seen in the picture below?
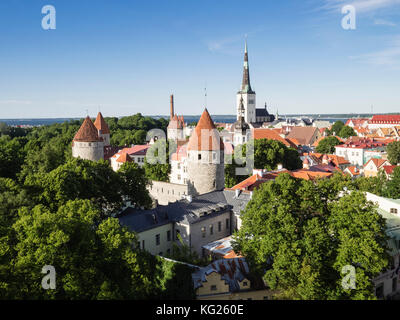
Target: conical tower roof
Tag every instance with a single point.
(101, 124)
(210, 140)
(87, 132)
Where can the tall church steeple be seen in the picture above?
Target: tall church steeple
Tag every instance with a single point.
(248, 95)
(246, 87)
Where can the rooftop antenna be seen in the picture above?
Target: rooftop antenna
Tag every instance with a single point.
(87, 112)
(205, 96)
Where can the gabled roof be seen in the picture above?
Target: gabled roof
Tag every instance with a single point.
(303, 134)
(136, 150)
(210, 140)
(353, 170)
(270, 134)
(101, 124)
(377, 162)
(87, 132)
(124, 157)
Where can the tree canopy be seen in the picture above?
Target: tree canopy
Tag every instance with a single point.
(393, 151)
(327, 145)
(299, 235)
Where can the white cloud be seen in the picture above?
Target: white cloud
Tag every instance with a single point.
(360, 5)
(383, 22)
(389, 56)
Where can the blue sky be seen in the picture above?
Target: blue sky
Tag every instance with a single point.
(124, 57)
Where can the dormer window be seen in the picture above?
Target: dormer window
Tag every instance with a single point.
(393, 210)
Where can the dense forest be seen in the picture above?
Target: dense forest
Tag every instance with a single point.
(56, 210)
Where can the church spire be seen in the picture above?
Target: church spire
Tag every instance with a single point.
(246, 88)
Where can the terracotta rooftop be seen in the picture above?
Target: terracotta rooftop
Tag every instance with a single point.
(377, 162)
(389, 169)
(271, 134)
(385, 119)
(101, 124)
(124, 157)
(87, 132)
(303, 134)
(211, 139)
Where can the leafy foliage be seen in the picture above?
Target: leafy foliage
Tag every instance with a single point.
(327, 145)
(393, 150)
(299, 234)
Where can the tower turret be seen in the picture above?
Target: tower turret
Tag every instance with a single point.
(205, 157)
(87, 144)
(102, 128)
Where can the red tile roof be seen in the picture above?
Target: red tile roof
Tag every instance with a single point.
(390, 119)
(205, 136)
(271, 134)
(303, 134)
(136, 150)
(101, 124)
(124, 157)
(87, 132)
(389, 169)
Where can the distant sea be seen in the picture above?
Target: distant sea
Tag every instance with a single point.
(190, 118)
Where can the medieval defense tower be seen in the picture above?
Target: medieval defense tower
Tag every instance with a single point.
(205, 151)
(89, 141)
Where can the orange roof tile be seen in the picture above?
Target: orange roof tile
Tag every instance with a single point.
(270, 134)
(205, 136)
(124, 157)
(87, 132)
(101, 124)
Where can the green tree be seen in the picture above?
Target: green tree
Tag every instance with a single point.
(335, 129)
(393, 150)
(327, 145)
(11, 156)
(92, 259)
(134, 183)
(299, 234)
(346, 132)
(156, 164)
(392, 189)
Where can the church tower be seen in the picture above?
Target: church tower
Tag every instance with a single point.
(205, 151)
(248, 95)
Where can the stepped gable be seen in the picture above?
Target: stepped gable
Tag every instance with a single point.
(87, 132)
(101, 124)
(214, 140)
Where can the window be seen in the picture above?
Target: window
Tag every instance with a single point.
(379, 291)
(213, 288)
(203, 232)
(177, 235)
(244, 283)
(219, 226)
(199, 156)
(168, 251)
(169, 235)
(214, 156)
(179, 166)
(160, 254)
(227, 223)
(157, 239)
(211, 229)
(265, 298)
(143, 244)
(393, 210)
(179, 177)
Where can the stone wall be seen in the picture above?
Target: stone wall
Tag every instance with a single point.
(207, 174)
(165, 192)
(88, 150)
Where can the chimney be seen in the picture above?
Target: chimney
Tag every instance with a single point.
(172, 107)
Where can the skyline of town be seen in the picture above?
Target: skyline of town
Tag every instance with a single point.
(300, 58)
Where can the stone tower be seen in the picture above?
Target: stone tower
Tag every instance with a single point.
(248, 95)
(175, 130)
(205, 151)
(102, 128)
(87, 144)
